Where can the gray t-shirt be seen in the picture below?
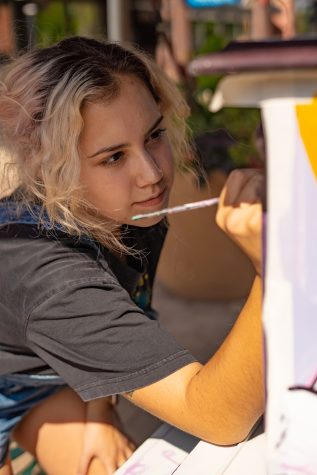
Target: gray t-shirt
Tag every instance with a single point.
(68, 309)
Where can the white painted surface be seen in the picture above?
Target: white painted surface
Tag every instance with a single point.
(170, 451)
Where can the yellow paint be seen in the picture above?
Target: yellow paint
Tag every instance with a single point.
(307, 121)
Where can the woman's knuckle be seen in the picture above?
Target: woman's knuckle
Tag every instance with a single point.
(236, 174)
(231, 224)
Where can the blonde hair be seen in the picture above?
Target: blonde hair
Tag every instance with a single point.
(42, 94)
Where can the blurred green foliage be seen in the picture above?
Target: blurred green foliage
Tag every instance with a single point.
(53, 24)
(306, 19)
(58, 19)
(240, 123)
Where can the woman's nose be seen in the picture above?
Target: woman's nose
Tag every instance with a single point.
(149, 171)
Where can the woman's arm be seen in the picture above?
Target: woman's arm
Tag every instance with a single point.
(221, 401)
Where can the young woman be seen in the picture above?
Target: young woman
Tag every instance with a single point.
(94, 131)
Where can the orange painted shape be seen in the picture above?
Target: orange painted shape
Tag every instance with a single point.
(307, 121)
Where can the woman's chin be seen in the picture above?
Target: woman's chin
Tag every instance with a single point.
(147, 222)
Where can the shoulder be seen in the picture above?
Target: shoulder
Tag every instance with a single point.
(46, 262)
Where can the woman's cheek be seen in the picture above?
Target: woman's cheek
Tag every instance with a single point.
(169, 163)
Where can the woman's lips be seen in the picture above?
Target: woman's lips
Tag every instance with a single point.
(155, 201)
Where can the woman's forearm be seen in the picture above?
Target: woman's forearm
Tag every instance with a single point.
(229, 389)
(220, 401)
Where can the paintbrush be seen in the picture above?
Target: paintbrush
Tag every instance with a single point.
(178, 209)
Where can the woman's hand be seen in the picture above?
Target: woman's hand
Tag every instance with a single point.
(240, 212)
(104, 439)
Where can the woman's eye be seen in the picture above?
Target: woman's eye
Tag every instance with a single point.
(113, 159)
(157, 134)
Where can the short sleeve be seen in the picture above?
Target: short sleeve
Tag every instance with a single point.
(93, 335)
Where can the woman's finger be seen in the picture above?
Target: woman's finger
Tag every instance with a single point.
(128, 452)
(131, 445)
(253, 190)
(122, 458)
(110, 467)
(84, 463)
(242, 189)
(245, 220)
(236, 181)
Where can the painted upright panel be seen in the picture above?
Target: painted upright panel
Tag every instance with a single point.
(291, 298)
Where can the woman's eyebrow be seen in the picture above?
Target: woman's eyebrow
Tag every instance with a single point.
(113, 148)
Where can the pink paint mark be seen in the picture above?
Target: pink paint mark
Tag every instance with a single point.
(313, 381)
(298, 468)
(136, 469)
(169, 454)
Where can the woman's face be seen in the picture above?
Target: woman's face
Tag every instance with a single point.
(126, 158)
